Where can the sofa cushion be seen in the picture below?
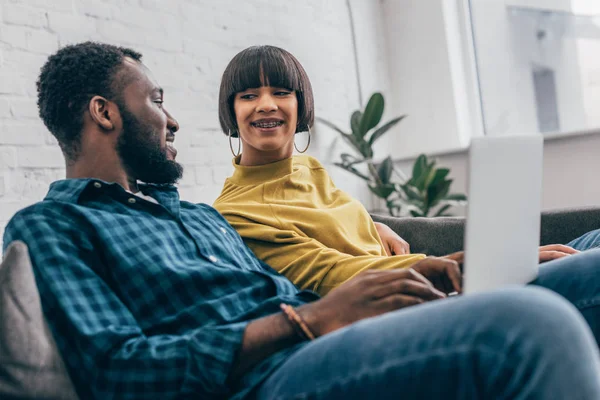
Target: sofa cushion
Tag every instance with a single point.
(30, 364)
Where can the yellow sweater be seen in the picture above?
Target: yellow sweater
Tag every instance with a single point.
(294, 218)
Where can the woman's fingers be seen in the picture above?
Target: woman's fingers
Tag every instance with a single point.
(559, 247)
(551, 255)
(400, 246)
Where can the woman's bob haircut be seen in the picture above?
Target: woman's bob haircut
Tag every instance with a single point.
(259, 66)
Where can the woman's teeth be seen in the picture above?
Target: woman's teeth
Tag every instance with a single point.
(267, 124)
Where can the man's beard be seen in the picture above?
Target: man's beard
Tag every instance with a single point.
(141, 154)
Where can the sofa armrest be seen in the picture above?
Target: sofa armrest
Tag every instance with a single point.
(445, 235)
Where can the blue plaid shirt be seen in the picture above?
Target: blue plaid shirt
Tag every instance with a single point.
(147, 300)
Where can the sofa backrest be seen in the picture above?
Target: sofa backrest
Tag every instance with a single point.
(30, 364)
(445, 235)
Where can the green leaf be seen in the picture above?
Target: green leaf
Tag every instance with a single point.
(383, 191)
(385, 170)
(422, 173)
(438, 192)
(427, 178)
(373, 113)
(355, 121)
(349, 159)
(365, 149)
(411, 192)
(418, 167)
(456, 197)
(331, 125)
(441, 211)
(416, 213)
(439, 176)
(383, 129)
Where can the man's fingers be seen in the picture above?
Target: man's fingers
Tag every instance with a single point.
(386, 277)
(559, 247)
(408, 287)
(442, 268)
(459, 256)
(398, 301)
(455, 277)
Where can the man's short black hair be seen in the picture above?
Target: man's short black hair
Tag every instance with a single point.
(265, 66)
(69, 80)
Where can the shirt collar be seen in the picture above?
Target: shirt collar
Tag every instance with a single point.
(70, 190)
(67, 190)
(257, 174)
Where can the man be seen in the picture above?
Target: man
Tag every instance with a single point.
(152, 297)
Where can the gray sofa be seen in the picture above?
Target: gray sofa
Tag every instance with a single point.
(32, 368)
(440, 236)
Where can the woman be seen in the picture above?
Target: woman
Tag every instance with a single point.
(285, 207)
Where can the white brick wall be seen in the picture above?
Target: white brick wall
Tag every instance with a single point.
(187, 44)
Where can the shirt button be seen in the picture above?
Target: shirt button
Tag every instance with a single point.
(131, 200)
(213, 259)
(97, 185)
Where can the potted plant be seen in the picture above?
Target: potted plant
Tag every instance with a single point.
(426, 193)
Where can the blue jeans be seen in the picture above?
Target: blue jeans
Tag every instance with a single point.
(515, 343)
(590, 240)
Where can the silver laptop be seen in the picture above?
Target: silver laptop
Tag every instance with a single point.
(503, 213)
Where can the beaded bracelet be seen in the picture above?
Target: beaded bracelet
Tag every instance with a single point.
(297, 322)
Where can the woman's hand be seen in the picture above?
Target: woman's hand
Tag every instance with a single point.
(547, 253)
(554, 251)
(393, 244)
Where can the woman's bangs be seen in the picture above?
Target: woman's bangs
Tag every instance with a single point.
(266, 69)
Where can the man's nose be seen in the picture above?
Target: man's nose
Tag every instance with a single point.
(172, 123)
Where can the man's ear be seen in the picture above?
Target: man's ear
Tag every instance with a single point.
(103, 112)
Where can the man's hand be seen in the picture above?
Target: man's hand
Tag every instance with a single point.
(369, 294)
(443, 272)
(392, 243)
(554, 251)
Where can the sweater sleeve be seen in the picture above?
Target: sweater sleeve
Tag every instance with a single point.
(305, 261)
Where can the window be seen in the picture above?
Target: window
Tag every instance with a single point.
(538, 65)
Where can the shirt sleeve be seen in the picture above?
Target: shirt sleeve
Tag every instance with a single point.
(308, 263)
(104, 347)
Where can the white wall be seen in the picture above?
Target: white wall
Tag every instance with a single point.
(421, 77)
(187, 44)
(509, 46)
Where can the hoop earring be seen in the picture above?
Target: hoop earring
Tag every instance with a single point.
(307, 144)
(231, 145)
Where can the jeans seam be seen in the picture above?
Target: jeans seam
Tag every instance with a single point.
(585, 304)
(406, 360)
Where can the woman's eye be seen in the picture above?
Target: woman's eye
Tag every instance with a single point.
(282, 93)
(159, 102)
